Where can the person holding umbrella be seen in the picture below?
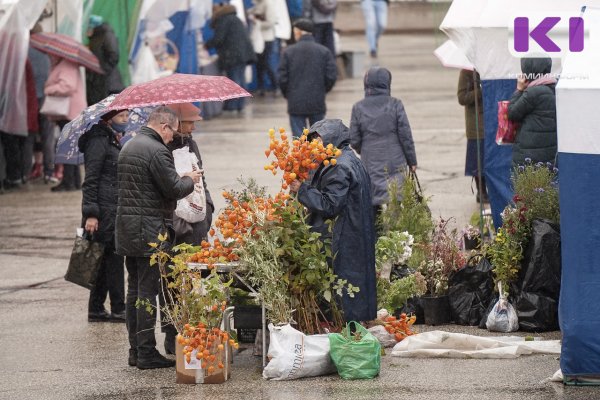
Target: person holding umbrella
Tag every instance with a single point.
(101, 148)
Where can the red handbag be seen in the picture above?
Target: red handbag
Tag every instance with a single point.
(507, 129)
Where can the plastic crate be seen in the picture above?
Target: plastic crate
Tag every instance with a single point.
(247, 317)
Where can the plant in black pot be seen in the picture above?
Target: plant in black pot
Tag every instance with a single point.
(443, 258)
(471, 238)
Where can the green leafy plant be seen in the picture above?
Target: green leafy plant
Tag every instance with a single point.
(191, 298)
(295, 266)
(394, 248)
(536, 197)
(406, 212)
(395, 294)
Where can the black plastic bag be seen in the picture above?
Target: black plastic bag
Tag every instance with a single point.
(536, 291)
(86, 258)
(470, 291)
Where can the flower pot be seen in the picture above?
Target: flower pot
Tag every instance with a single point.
(472, 244)
(436, 309)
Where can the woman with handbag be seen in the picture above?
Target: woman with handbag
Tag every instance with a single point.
(65, 99)
(101, 148)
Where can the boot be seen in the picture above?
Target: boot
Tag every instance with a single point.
(154, 360)
(36, 171)
(132, 361)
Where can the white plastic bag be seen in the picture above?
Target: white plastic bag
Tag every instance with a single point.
(193, 207)
(295, 355)
(385, 338)
(503, 317)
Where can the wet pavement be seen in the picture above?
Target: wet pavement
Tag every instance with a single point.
(50, 351)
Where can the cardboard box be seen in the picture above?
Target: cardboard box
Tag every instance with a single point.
(193, 373)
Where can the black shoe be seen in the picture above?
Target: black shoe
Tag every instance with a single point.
(118, 317)
(132, 357)
(100, 316)
(373, 54)
(170, 345)
(154, 360)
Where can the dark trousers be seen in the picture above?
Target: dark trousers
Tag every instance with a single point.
(299, 122)
(264, 67)
(236, 74)
(13, 151)
(111, 282)
(323, 34)
(47, 143)
(143, 283)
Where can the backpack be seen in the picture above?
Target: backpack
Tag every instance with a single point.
(325, 6)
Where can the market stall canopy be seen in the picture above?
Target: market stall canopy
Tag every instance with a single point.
(481, 30)
(452, 57)
(178, 88)
(66, 47)
(578, 122)
(17, 17)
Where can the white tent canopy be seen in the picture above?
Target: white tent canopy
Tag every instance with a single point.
(452, 57)
(481, 29)
(578, 95)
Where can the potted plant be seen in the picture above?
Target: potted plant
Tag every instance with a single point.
(443, 257)
(471, 238)
(392, 249)
(195, 307)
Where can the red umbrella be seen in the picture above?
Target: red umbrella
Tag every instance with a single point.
(66, 47)
(178, 88)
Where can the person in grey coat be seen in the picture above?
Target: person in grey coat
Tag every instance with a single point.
(341, 194)
(381, 134)
(534, 105)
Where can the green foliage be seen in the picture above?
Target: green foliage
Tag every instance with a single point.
(290, 264)
(191, 298)
(250, 190)
(395, 294)
(405, 212)
(395, 248)
(536, 197)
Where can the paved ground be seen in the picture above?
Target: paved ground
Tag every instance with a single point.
(49, 351)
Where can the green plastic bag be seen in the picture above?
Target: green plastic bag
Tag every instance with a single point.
(355, 355)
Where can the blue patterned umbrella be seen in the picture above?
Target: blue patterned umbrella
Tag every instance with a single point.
(67, 151)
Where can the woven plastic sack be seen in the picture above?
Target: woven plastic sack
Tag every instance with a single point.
(356, 355)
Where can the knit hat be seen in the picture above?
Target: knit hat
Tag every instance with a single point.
(304, 24)
(95, 21)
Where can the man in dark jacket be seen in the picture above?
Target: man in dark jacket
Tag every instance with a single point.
(105, 46)
(381, 134)
(233, 47)
(307, 71)
(149, 188)
(186, 232)
(534, 106)
(342, 193)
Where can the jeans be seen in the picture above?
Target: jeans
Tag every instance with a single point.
(111, 281)
(264, 67)
(48, 145)
(236, 74)
(375, 12)
(323, 34)
(298, 122)
(144, 283)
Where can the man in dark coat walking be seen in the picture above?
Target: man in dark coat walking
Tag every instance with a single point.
(233, 47)
(307, 71)
(342, 193)
(105, 46)
(149, 188)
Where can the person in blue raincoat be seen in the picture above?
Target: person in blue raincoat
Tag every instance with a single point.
(342, 193)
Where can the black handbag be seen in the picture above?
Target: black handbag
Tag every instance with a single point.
(85, 261)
